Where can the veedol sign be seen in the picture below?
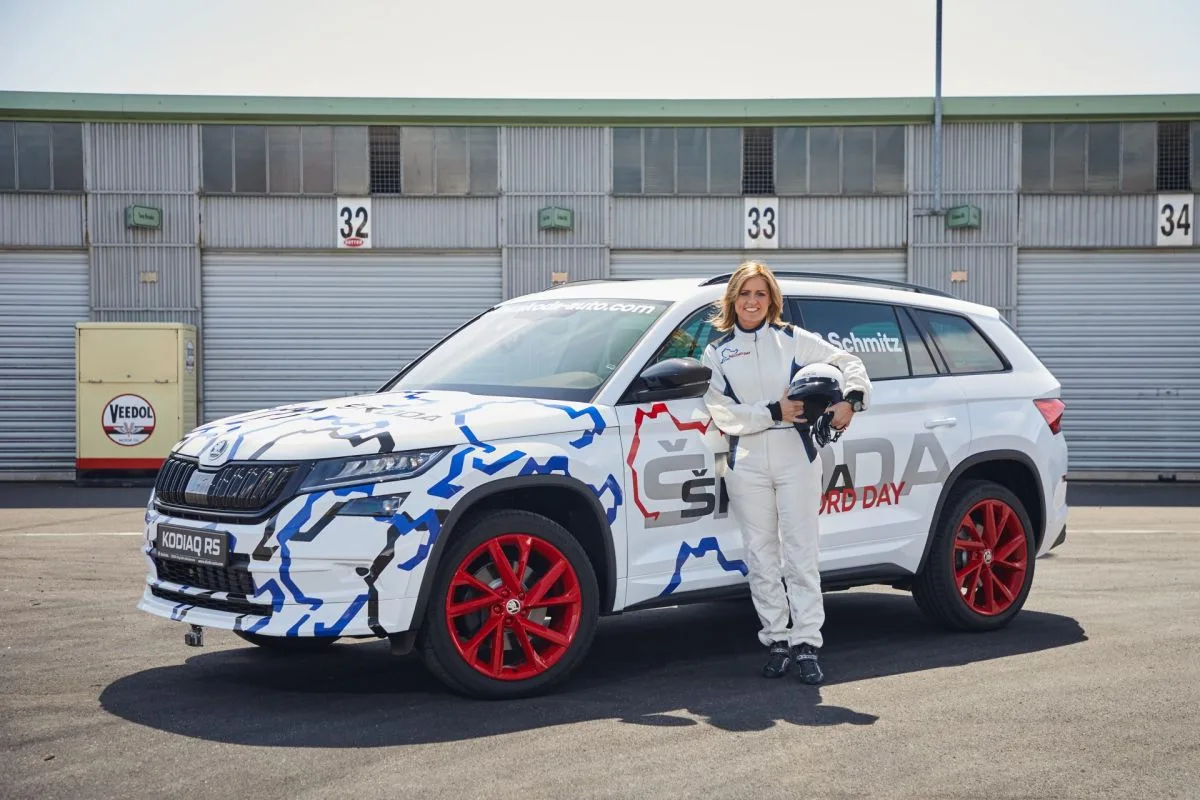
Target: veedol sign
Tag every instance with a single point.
(128, 420)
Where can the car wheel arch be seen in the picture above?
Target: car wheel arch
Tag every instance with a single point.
(477, 498)
(1038, 513)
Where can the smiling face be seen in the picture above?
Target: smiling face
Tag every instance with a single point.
(752, 303)
(751, 298)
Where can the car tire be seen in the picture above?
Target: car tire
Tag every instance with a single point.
(981, 560)
(288, 644)
(544, 619)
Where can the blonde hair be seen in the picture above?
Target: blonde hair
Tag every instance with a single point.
(725, 315)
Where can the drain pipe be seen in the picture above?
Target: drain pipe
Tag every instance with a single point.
(937, 118)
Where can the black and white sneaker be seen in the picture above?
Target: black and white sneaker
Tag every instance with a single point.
(778, 661)
(806, 661)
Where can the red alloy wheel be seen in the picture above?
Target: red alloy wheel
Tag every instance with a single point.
(991, 557)
(513, 607)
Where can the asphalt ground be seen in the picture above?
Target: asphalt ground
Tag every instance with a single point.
(1092, 692)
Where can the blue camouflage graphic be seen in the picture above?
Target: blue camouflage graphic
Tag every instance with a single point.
(324, 573)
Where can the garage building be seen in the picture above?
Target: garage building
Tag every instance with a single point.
(319, 245)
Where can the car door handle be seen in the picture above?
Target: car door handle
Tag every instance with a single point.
(945, 422)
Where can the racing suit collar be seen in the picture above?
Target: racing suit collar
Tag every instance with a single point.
(738, 326)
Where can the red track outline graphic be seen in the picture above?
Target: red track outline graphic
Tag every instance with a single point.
(639, 417)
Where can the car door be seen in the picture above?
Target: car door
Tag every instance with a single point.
(681, 536)
(881, 481)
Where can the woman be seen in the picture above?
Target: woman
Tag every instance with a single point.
(774, 486)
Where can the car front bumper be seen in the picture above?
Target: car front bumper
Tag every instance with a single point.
(306, 571)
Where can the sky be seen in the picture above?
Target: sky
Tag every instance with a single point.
(661, 49)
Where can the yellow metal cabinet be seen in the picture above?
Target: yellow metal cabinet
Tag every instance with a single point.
(135, 393)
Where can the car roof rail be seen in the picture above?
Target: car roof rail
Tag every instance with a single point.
(837, 277)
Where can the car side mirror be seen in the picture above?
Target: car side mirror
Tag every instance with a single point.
(671, 379)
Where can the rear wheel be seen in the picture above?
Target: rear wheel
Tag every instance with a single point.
(513, 608)
(980, 564)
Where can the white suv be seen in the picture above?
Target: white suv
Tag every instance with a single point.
(552, 462)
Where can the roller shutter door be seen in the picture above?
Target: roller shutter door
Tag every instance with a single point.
(887, 264)
(42, 296)
(285, 328)
(1121, 331)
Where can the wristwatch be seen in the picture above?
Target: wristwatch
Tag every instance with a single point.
(855, 399)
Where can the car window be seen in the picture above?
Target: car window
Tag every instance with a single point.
(690, 338)
(549, 349)
(919, 357)
(869, 330)
(694, 334)
(961, 345)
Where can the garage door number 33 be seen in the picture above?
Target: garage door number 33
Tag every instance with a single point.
(354, 223)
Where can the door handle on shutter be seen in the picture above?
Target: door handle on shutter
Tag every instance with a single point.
(944, 422)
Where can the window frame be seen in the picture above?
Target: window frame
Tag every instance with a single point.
(14, 156)
(708, 129)
(921, 320)
(1088, 127)
(896, 308)
(841, 191)
(398, 158)
(232, 129)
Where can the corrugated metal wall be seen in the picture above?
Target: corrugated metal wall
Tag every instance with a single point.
(831, 223)
(145, 284)
(1075, 221)
(42, 296)
(129, 157)
(976, 157)
(41, 220)
(707, 223)
(567, 167)
(303, 223)
(715, 223)
(282, 328)
(885, 264)
(140, 275)
(449, 223)
(1127, 354)
(531, 269)
(979, 168)
(556, 159)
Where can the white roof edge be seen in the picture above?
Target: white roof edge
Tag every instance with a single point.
(690, 289)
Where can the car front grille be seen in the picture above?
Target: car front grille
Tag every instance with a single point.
(235, 579)
(240, 488)
(231, 605)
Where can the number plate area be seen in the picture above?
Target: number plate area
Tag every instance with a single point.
(209, 548)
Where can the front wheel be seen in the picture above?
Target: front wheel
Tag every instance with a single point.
(513, 609)
(980, 564)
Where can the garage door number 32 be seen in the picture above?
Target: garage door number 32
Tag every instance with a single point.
(354, 223)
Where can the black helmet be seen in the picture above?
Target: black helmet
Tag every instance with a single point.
(818, 386)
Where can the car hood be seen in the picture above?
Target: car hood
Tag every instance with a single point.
(382, 423)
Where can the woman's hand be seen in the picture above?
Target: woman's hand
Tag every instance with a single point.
(842, 414)
(791, 410)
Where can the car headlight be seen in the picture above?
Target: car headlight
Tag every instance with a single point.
(369, 469)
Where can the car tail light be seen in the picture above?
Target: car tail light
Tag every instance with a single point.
(1052, 409)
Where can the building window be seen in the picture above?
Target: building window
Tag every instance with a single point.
(283, 159)
(41, 157)
(1081, 157)
(434, 160)
(1174, 157)
(677, 161)
(851, 160)
(758, 161)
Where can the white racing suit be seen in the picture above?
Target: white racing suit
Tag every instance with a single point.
(772, 473)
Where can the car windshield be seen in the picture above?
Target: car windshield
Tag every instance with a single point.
(547, 349)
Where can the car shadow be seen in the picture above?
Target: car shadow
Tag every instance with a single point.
(670, 667)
